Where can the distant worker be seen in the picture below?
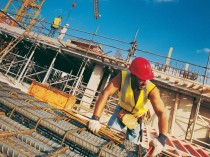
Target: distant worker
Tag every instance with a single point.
(63, 32)
(55, 26)
(136, 92)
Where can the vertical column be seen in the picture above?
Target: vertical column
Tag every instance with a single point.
(186, 66)
(169, 56)
(174, 113)
(80, 77)
(92, 85)
(10, 66)
(49, 69)
(26, 65)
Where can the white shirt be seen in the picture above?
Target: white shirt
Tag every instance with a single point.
(63, 30)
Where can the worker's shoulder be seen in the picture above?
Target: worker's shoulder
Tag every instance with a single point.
(155, 91)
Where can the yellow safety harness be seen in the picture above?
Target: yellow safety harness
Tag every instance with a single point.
(126, 95)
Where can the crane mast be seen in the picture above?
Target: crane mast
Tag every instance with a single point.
(96, 9)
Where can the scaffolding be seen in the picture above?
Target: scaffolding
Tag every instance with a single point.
(23, 12)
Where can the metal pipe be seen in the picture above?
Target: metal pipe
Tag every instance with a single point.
(50, 68)
(93, 37)
(67, 80)
(79, 78)
(7, 134)
(26, 65)
(10, 66)
(107, 81)
(133, 48)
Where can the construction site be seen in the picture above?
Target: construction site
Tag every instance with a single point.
(49, 87)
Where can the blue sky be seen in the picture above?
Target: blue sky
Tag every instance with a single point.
(181, 24)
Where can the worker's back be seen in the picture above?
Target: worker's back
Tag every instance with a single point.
(56, 22)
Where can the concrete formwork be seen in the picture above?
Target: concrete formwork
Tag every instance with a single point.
(180, 114)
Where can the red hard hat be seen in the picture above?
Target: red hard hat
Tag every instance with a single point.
(141, 68)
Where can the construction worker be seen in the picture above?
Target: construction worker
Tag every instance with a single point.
(55, 26)
(136, 92)
(63, 32)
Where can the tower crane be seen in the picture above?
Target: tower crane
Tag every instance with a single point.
(22, 13)
(96, 9)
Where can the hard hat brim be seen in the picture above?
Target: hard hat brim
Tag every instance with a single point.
(144, 77)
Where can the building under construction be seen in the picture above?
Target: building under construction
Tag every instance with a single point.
(48, 90)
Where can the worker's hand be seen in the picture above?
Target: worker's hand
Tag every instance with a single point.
(158, 144)
(94, 125)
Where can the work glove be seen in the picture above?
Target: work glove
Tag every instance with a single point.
(158, 144)
(94, 124)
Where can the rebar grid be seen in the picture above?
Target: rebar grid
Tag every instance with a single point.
(54, 131)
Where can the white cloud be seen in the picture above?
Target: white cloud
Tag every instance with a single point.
(59, 11)
(206, 50)
(161, 1)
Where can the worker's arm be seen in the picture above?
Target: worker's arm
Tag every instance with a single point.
(110, 89)
(160, 110)
(159, 142)
(94, 124)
